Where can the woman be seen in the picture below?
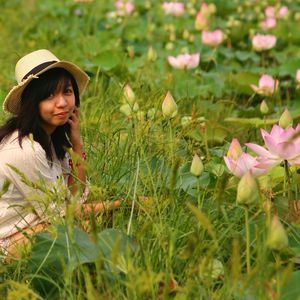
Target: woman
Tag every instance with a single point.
(35, 143)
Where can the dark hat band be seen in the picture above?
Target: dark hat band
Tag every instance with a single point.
(39, 68)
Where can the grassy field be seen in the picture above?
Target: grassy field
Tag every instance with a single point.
(187, 228)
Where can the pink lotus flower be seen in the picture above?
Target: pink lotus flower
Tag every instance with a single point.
(184, 61)
(212, 38)
(266, 86)
(124, 8)
(262, 42)
(270, 12)
(173, 8)
(282, 144)
(268, 23)
(239, 163)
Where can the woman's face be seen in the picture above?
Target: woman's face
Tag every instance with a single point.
(57, 108)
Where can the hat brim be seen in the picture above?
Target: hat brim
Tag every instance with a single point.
(12, 101)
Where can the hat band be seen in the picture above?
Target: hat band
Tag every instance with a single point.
(39, 68)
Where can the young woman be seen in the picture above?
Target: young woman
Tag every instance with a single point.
(35, 144)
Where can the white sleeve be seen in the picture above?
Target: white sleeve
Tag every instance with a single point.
(38, 177)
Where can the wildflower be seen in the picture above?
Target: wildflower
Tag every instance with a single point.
(247, 191)
(173, 8)
(264, 109)
(262, 42)
(212, 38)
(124, 7)
(169, 106)
(196, 166)
(277, 237)
(184, 61)
(266, 86)
(286, 119)
(282, 144)
(239, 162)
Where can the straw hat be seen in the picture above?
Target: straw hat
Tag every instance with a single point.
(30, 67)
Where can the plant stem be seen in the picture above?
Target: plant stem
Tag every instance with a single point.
(134, 195)
(171, 141)
(247, 241)
(288, 186)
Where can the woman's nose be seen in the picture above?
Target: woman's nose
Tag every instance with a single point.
(61, 101)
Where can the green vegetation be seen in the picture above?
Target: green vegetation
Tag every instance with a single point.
(176, 235)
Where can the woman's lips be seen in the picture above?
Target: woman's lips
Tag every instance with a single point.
(61, 115)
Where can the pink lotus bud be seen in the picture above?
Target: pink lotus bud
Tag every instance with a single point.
(235, 150)
(266, 86)
(173, 8)
(200, 22)
(270, 12)
(264, 109)
(169, 107)
(283, 12)
(286, 119)
(248, 191)
(196, 166)
(262, 42)
(128, 95)
(204, 10)
(277, 237)
(213, 38)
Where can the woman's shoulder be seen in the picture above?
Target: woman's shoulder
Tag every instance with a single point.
(11, 145)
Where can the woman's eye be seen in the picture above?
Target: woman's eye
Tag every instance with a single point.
(69, 91)
(50, 96)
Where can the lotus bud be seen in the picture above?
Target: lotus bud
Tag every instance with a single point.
(264, 109)
(212, 8)
(151, 55)
(130, 51)
(135, 107)
(286, 119)
(126, 109)
(185, 34)
(200, 22)
(128, 95)
(169, 107)
(247, 190)
(151, 113)
(212, 268)
(196, 166)
(186, 120)
(277, 237)
(169, 46)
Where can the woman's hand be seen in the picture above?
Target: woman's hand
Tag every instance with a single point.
(75, 137)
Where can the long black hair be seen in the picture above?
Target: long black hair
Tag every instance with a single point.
(28, 120)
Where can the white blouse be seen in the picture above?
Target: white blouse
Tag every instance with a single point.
(18, 205)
